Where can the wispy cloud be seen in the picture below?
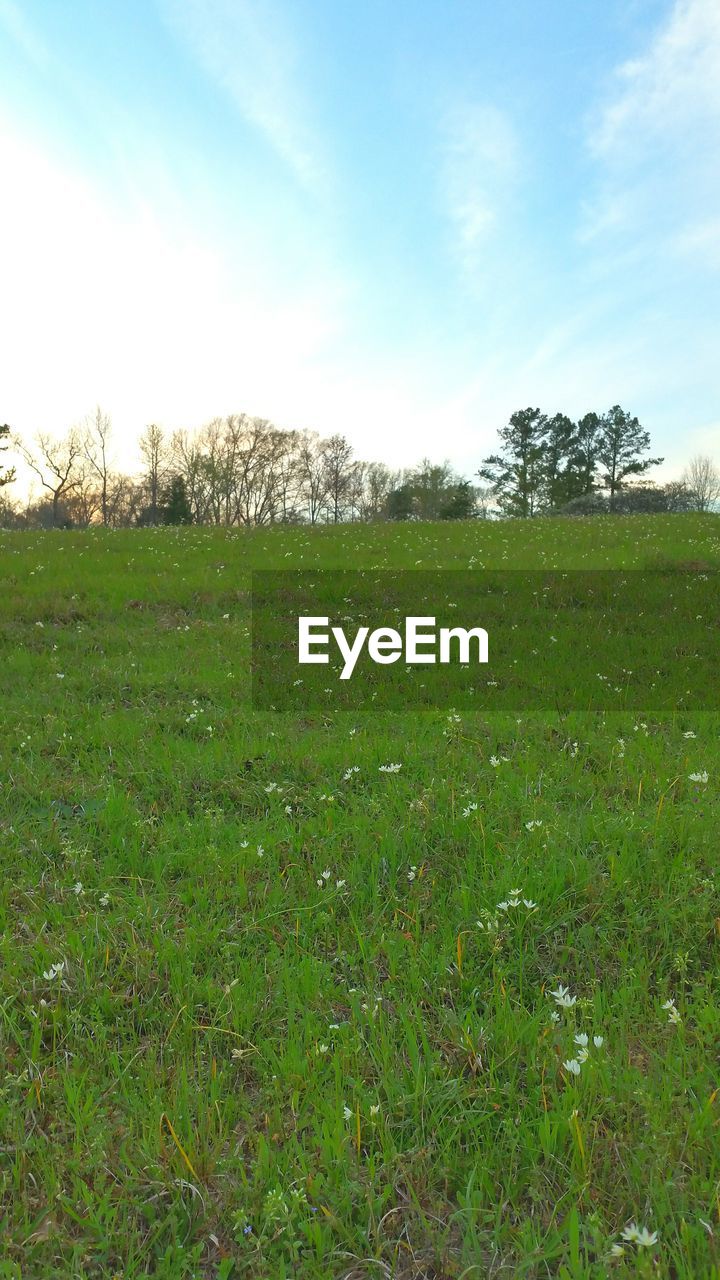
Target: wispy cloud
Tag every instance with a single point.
(701, 239)
(674, 85)
(656, 136)
(479, 166)
(15, 23)
(248, 48)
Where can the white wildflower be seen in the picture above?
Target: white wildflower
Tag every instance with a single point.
(563, 998)
(640, 1236)
(672, 1013)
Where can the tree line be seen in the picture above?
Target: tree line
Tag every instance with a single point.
(550, 465)
(244, 471)
(235, 471)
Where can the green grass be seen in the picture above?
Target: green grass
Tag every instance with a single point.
(354, 1070)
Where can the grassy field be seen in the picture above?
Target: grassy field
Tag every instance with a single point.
(271, 1010)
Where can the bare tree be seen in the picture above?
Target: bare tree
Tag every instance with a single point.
(312, 475)
(95, 452)
(378, 482)
(484, 502)
(155, 455)
(337, 456)
(196, 470)
(288, 479)
(258, 473)
(55, 463)
(126, 498)
(703, 480)
(83, 502)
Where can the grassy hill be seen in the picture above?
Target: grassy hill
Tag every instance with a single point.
(269, 1009)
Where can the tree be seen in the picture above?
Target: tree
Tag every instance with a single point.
(312, 475)
(337, 457)
(584, 457)
(634, 499)
(401, 503)
(703, 480)
(586, 504)
(256, 472)
(621, 444)
(6, 477)
(83, 502)
(431, 491)
(484, 502)
(95, 452)
(461, 503)
(516, 474)
(433, 484)
(378, 483)
(11, 514)
(652, 499)
(155, 455)
(55, 463)
(558, 483)
(177, 508)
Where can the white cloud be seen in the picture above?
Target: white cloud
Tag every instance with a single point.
(655, 141)
(701, 240)
(247, 48)
(18, 28)
(479, 166)
(673, 86)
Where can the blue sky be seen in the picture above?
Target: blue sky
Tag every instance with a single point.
(400, 220)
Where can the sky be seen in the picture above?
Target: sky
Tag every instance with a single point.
(399, 220)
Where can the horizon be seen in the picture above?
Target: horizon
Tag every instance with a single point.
(396, 227)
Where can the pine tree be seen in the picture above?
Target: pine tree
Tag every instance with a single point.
(584, 460)
(622, 442)
(516, 475)
(177, 508)
(461, 503)
(558, 476)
